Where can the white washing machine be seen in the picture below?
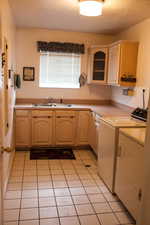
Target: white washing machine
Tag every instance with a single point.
(108, 143)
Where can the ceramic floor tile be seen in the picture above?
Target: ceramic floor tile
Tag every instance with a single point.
(95, 198)
(15, 179)
(48, 212)
(30, 173)
(29, 194)
(102, 207)
(108, 219)
(87, 183)
(61, 192)
(13, 194)
(51, 221)
(85, 176)
(69, 220)
(58, 177)
(46, 193)
(11, 223)
(45, 185)
(72, 177)
(67, 200)
(89, 220)
(75, 183)
(123, 218)
(66, 211)
(77, 191)
(29, 214)
(116, 206)
(57, 172)
(92, 190)
(69, 172)
(12, 204)
(80, 199)
(47, 202)
(85, 209)
(29, 186)
(30, 179)
(14, 187)
(110, 197)
(43, 172)
(29, 203)
(44, 178)
(29, 222)
(60, 184)
(83, 188)
(11, 215)
(103, 188)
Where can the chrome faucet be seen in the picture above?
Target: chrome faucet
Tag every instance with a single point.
(50, 100)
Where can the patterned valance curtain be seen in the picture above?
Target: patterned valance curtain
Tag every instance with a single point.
(60, 47)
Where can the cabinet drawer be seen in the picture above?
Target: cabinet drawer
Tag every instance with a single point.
(65, 113)
(22, 113)
(40, 113)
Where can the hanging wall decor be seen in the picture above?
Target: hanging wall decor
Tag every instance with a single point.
(28, 73)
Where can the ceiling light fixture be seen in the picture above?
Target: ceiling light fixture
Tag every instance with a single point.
(91, 7)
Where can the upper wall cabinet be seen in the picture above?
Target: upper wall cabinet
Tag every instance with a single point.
(97, 65)
(122, 63)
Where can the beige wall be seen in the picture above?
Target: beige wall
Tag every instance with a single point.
(8, 32)
(27, 55)
(141, 33)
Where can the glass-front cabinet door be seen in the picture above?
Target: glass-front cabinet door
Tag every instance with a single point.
(97, 66)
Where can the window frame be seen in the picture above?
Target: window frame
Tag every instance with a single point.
(58, 87)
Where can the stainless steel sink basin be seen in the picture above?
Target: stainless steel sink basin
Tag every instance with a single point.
(55, 105)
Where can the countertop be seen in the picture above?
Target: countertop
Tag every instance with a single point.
(102, 110)
(137, 134)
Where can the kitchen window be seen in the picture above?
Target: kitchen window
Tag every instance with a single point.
(59, 70)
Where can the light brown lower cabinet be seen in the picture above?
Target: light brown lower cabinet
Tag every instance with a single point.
(83, 127)
(51, 127)
(129, 175)
(42, 128)
(65, 128)
(23, 128)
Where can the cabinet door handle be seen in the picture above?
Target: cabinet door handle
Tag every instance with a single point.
(41, 117)
(65, 117)
(140, 195)
(119, 151)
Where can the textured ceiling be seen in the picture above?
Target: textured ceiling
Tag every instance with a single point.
(64, 15)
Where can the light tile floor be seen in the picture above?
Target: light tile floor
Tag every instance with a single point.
(60, 192)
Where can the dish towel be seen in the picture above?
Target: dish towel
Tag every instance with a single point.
(17, 81)
(82, 79)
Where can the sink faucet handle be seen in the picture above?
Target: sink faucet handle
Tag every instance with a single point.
(50, 99)
(61, 100)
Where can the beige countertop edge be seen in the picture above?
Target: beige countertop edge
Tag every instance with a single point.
(102, 110)
(136, 134)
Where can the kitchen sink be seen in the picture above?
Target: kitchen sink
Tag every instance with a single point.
(53, 105)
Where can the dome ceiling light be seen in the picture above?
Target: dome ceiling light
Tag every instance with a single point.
(91, 7)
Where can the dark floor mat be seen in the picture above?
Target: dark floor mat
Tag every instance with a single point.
(51, 153)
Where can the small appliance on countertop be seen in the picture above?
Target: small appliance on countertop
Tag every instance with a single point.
(141, 113)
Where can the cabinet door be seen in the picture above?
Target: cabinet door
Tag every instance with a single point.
(129, 175)
(98, 60)
(65, 130)
(42, 131)
(23, 131)
(113, 64)
(83, 128)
